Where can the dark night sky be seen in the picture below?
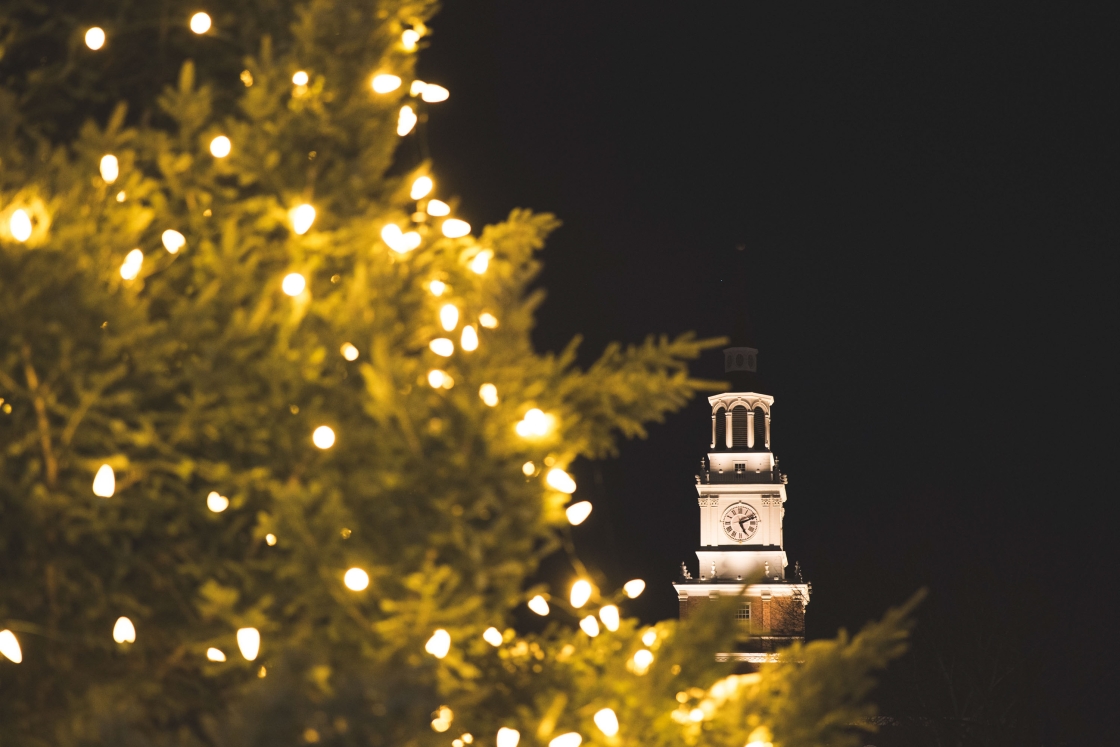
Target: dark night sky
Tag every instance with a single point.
(926, 197)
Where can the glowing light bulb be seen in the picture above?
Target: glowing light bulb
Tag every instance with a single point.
(528, 469)
(440, 379)
(270, 539)
(417, 88)
(349, 352)
(489, 394)
(590, 625)
(634, 588)
(394, 238)
(539, 605)
(409, 38)
(249, 641)
(133, 261)
(488, 320)
(449, 316)
(356, 579)
(200, 23)
(577, 513)
(421, 187)
(561, 480)
(453, 228)
(649, 637)
(696, 715)
(104, 482)
(386, 83)
(609, 616)
(641, 661)
(110, 168)
(216, 502)
(323, 437)
(508, 737)
(581, 592)
(301, 216)
(406, 120)
(438, 208)
(173, 241)
(215, 654)
(534, 424)
(481, 261)
(433, 94)
(607, 722)
(442, 346)
(300, 78)
(411, 240)
(439, 644)
(95, 38)
(20, 225)
(469, 339)
(122, 196)
(571, 739)
(9, 647)
(293, 284)
(493, 636)
(437, 287)
(442, 721)
(220, 146)
(124, 631)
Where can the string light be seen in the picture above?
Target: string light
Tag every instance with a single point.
(200, 23)
(406, 120)
(571, 739)
(124, 631)
(539, 605)
(433, 94)
(528, 469)
(481, 261)
(421, 187)
(293, 284)
(440, 379)
(508, 737)
(534, 424)
(488, 320)
(437, 287)
(409, 38)
(417, 88)
(439, 644)
(634, 588)
(216, 502)
(302, 216)
(641, 661)
(449, 316)
(398, 241)
(442, 721)
(489, 394)
(590, 625)
(438, 208)
(323, 437)
(215, 654)
(270, 539)
(300, 78)
(493, 636)
(581, 592)
(577, 513)
(249, 641)
(356, 579)
(349, 352)
(561, 480)
(95, 38)
(246, 78)
(607, 722)
(469, 339)
(609, 616)
(220, 146)
(649, 637)
(386, 83)
(442, 346)
(453, 228)
(133, 261)
(110, 168)
(9, 647)
(104, 482)
(173, 241)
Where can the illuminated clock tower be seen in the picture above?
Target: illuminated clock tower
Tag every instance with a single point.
(742, 497)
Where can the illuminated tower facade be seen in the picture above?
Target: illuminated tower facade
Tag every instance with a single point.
(741, 499)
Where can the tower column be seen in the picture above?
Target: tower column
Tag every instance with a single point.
(713, 430)
(767, 430)
(750, 429)
(729, 436)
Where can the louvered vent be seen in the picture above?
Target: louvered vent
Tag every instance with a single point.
(739, 427)
(721, 428)
(759, 429)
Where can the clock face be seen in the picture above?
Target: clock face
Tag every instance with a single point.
(740, 522)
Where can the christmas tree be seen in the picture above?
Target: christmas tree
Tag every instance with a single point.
(279, 459)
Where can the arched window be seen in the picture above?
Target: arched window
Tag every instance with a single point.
(721, 428)
(739, 427)
(759, 428)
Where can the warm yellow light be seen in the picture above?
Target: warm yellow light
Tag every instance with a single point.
(302, 216)
(440, 379)
(488, 320)
(246, 78)
(386, 83)
(122, 196)
(607, 722)
(571, 739)
(442, 721)
(590, 625)
(349, 352)
(323, 437)
(220, 146)
(481, 261)
(406, 120)
(561, 480)
(442, 346)
(124, 631)
(9, 647)
(697, 715)
(173, 241)
(467, 738)
(215, 654)
(437, 287)
(133, 261)
(293, 284)
(634, 588)
(95, 38)
(469, 339)
(301, 78)
(216, 502)
(528, 469)
(449, 316)
(493, 636)
(409, 38)
(577, 513)
(453, 228)
(649, 637)
(439, 644)
(642, 660)
(508, 737)
(433, 94)
(438, 208)
(110, 168)
(104, 482)
(539, 605)
(20, 225)
(534, 424)
(489, 394)
(581, 592)
(356, 579)
(417, 88)
(421, 187)
(249, 641)
(262, 673)
(394, 238)
(609, 616)
(200, 23)
(270, 539)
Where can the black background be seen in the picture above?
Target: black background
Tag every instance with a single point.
(925, 196)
